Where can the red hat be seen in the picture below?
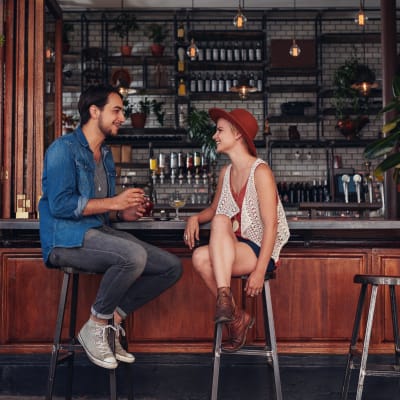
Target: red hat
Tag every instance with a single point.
(243, 120)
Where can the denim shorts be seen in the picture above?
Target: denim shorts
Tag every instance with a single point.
(256, 248)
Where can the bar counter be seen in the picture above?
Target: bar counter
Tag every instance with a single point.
(314, 296)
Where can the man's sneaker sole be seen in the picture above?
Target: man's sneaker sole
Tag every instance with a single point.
(100, 363)
(124, 359)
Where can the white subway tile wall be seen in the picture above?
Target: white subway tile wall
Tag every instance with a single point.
(289, 164)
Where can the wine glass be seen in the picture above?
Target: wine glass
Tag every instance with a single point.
(177, 200)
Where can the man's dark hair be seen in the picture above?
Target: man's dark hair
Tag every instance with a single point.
(94, 95)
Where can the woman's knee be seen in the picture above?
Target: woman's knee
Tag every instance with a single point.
(201, 259)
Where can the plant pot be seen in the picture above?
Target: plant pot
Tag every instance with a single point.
(126, 50)
(138, 120)
(157, 50)
(350, 128)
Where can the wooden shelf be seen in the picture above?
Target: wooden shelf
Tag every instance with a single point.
(293, 118)
(140, 60)
(227, 35)
(226, 66)
(282, 72)
(293, 88)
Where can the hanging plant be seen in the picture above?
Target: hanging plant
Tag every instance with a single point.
(388, 146)
(201, 130)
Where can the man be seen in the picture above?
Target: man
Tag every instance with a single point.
(77, 204)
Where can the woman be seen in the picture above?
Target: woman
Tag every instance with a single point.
(248, 224)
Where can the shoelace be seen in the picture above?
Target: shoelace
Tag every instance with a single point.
(102, 336)
(118, 328)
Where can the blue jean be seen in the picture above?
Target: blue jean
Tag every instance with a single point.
(135, 272)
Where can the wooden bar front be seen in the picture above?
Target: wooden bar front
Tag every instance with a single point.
(314, 296)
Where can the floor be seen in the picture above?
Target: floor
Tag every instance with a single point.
(187, 377)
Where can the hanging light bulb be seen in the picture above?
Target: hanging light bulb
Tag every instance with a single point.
(361, 17)
(192, 51)
(243, 88)
(294, 50)
(239, 20)
(364, 80)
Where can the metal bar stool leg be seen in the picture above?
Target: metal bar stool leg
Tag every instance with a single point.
(216, 361)
(395, 323)
(270, 337)
(72, 334)
(112, 372)
(353, 342)
(367, 338)
(57, 336)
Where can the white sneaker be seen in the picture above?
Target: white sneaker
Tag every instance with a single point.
(120, 353)
(94, 339)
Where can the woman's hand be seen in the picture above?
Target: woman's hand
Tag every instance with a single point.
(191, 233)
(255, 283)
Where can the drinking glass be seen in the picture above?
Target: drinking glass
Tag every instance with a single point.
(177, 200)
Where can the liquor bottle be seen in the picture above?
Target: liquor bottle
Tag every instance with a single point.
(215, 52)
(222, 52)
(252, 81)
(235, 79)
(200, 52)
(258, 51)
(193, 83)
(251, 53)
(229, 52)
(181, 88)
(221, 83)
(243, 52)
(314, 192)
(326, 194)
(236, 52)
(153, 167)
(182, 116)
(228, 83)
(180, 33)
(208, 52)
(259, 83)
(181, 59)
(200, 83)
(214, 83)
(207, 83)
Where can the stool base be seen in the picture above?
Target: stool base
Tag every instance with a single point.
(269, 351)
(365, 369)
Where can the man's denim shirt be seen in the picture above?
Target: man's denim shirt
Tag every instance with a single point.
(68, 184)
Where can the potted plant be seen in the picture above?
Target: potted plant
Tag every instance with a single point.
(157, 33)
(388, 145)
(125, 23)
(67, 28)
(201, 130)
(350, 105)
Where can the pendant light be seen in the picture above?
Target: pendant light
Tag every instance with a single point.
(243, 87)
(192, 51)
(361, 17)
(294, 50)
(239, 20)
(364, 79)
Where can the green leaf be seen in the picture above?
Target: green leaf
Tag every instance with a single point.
(390, 126)
(392, 161)
(380, 147)
(396, 86)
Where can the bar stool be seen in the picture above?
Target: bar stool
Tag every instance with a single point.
(269, 351)
(392, 370)
(73, 344)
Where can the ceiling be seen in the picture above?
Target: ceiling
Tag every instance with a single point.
(220, 4)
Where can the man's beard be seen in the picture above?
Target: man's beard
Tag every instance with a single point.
(107, 132)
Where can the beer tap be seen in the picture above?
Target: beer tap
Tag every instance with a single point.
(346, 181)
(173, 166)
(382, 193)
(161, 166)
(357, 181)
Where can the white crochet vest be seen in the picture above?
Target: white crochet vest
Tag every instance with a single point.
(252, 226)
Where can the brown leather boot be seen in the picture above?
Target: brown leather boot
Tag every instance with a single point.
(225, 307)
(237, 331)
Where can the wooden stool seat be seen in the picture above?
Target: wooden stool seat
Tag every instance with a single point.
(269, 351)
(380, 370)
(65, 352)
